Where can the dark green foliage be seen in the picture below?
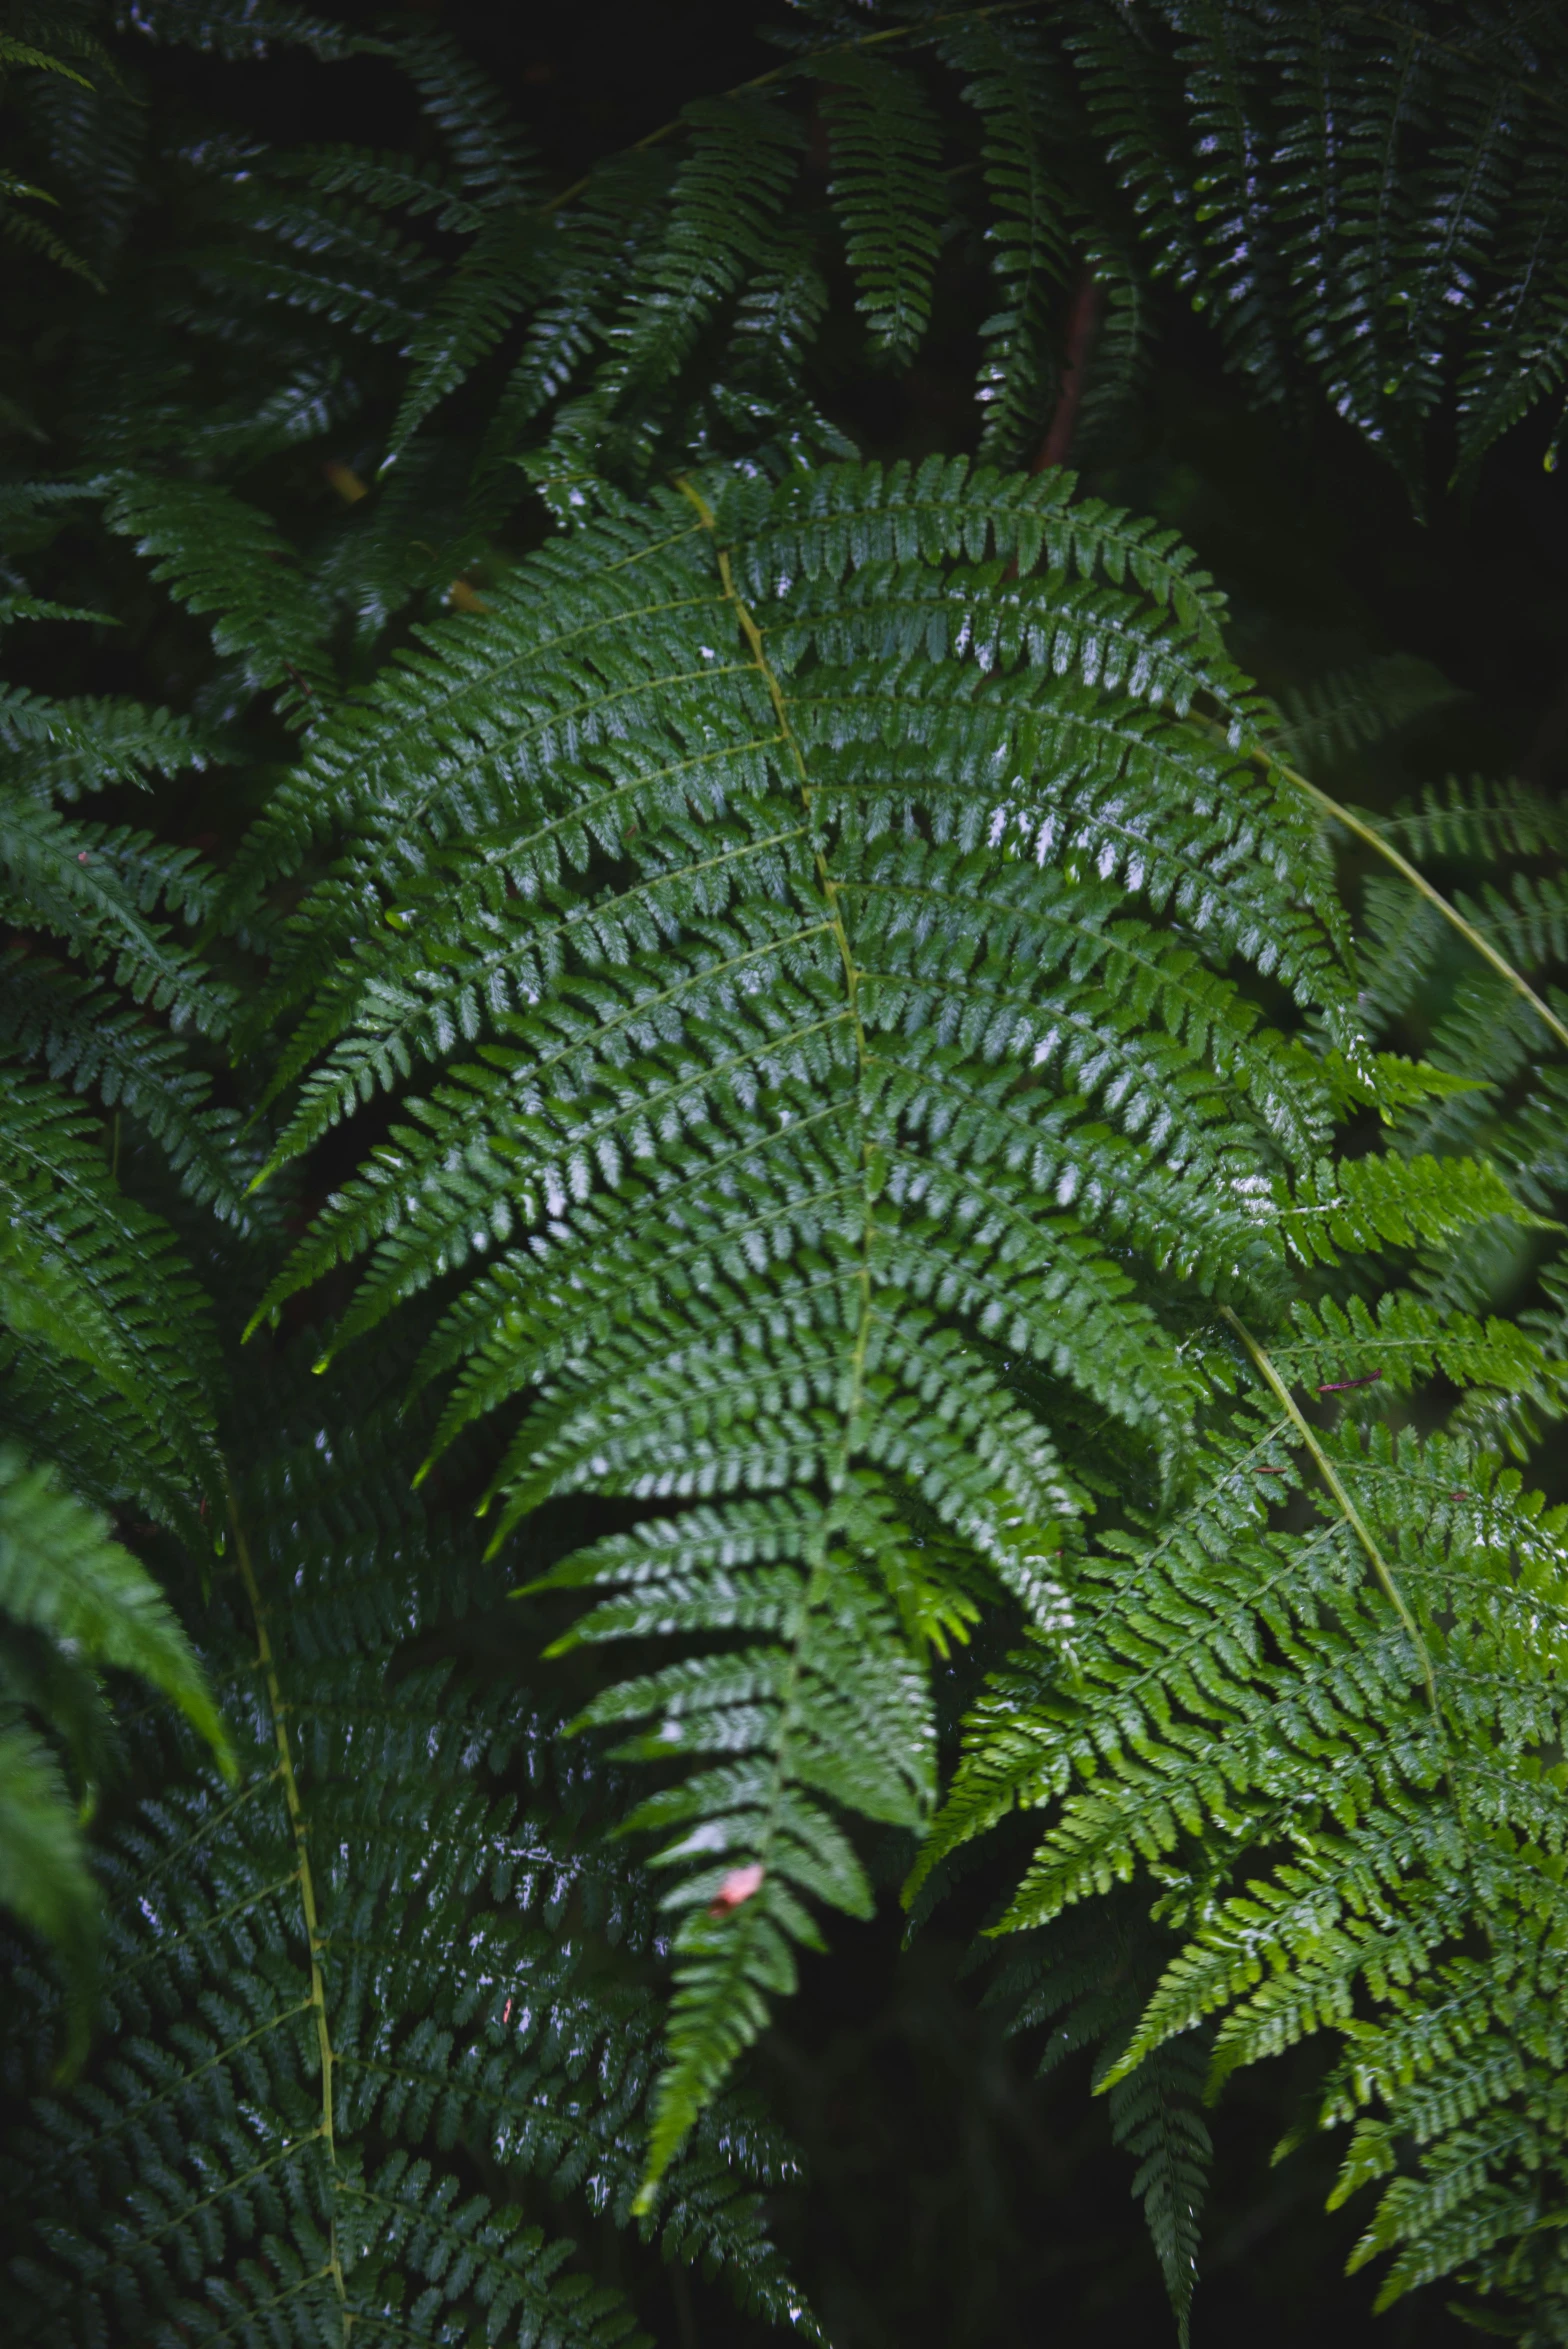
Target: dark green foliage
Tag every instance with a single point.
(885, 142)
(342, 1989)
(108, 1366)
(800, 1012)
(1235, 1693)
(1342, 191)
(1368, 209)
(223, 557)
(1087, 1977)
(762, 1140)
(72, 1601)
(1031, 253)
(753, 1113)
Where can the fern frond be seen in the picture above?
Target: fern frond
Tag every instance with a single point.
(220, 556)
(778, 1024)
(35, 235)
(1087, 1977)
(725, 203)
(1030, 258)
(1335, 716)
(496, 277)
(65, 749)
(393, 182)
(92, 887)
(238, 29)
(832, 1708)
(887, 193)
(492, 162)
(1518, 347)
(61, 1575)
(1156, 2113)
(1386, 1200)
(93, 132)
(601, 240)
(16, 54)
(86, 1602)
(383, 1953)
(45, 1879)
(316, 255)
(1371, 200)
(83, 1038)
(1244, 1693)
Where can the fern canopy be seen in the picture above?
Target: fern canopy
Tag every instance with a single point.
(828, 1065)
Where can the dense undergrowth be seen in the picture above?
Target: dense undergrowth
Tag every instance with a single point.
(624, 920)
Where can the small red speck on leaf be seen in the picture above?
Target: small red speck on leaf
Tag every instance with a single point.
(737, 1889)
(506, 2012)
(81, 856)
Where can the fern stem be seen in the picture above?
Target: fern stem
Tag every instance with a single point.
(817, 1556)
(852, 972)
(1417, 880)
(307, 1883)
(1265, 1367)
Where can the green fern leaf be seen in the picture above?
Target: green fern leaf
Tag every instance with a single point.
(45, 1879)
(500, 273)
(886, 141)
(60, 1574)
(220, 556)
(1010, 90)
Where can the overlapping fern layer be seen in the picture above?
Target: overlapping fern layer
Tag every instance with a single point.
(375, 2007)
(1366, 202)
(795, 939)
(817, 1120)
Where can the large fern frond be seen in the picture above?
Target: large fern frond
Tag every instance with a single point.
(784, 1017)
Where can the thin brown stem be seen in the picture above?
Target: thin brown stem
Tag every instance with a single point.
(1083, 322)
